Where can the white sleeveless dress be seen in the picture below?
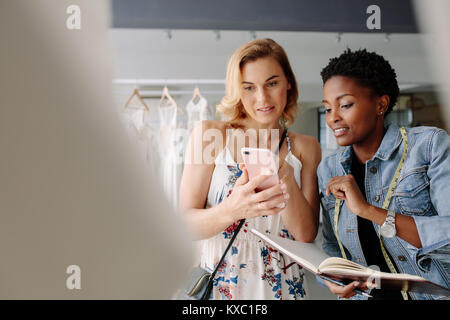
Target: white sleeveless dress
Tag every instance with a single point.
(169, 164)
(197, 112)
(251, 269)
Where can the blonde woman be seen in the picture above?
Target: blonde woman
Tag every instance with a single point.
(216, 193)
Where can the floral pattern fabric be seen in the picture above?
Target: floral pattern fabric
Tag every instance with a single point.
(251, 269)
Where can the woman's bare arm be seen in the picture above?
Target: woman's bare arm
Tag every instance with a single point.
(301, 216)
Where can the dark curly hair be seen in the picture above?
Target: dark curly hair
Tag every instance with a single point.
(368, 69)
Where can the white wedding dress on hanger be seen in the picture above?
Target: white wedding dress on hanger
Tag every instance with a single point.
(197, 112)
(169, 164)
(150, 133)
(133, 122)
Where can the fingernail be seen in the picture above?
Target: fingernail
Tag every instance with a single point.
(286, 196)
(282, 205)
(283, 187)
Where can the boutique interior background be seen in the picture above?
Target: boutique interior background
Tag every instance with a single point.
(181, 47)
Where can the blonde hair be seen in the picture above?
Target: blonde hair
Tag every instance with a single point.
(231, 104)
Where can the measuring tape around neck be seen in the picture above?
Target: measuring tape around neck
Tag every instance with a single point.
(385, 206)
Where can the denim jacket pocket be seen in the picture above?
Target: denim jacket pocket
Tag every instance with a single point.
(424, 263)
(429, 263)
(412, 195)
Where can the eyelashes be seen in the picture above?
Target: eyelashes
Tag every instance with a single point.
(345, 106)
(270, 84)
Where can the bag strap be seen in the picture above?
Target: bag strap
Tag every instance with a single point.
(213, 274)
(227, 249)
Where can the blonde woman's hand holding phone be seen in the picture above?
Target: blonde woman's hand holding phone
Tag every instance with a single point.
(245, 202)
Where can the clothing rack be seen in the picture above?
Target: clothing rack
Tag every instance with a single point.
(179, 92)
(162, 82)
(167, 82)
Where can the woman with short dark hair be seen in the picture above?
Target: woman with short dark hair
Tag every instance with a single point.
(386, 194)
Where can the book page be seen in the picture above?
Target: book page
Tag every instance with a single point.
(308, 255)
(341, 268)
(311, 257)
(340, 263)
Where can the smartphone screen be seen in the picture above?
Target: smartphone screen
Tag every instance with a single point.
(261, 161)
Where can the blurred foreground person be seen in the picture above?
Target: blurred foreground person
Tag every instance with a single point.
(81, 216)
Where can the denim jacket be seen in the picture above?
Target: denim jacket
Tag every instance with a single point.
(422, 192)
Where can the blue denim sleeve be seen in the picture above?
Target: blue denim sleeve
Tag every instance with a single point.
(434, 231)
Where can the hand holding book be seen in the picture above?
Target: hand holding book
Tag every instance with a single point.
(311, 257)
(344, 290)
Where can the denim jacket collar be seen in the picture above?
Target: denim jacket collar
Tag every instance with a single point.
(391, 141)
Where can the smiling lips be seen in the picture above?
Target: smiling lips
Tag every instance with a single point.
(340, 131)
(266, 110)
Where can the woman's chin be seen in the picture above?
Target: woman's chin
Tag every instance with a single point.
(343, 141)
(267, 121)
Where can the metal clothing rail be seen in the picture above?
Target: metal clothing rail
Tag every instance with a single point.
(146, 93)
(144, 82)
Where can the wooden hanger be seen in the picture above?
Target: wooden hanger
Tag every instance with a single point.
(166, 95)
(196, 94)
(138, 95)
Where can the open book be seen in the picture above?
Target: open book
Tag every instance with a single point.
(311, 257)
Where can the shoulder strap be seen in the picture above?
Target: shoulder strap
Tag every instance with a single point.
(289, 144)
(228, 131)
(283, 136)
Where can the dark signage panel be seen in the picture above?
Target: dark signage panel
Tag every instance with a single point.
(262, 15)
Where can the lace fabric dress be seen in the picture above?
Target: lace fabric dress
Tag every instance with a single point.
(133, 122)
(170, 167)
(251, 269)
(197, 112)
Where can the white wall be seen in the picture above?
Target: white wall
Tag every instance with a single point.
(147, 53)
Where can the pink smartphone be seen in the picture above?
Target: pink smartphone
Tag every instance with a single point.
(261, 161)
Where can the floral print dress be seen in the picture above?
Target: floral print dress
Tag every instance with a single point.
(251, 269)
